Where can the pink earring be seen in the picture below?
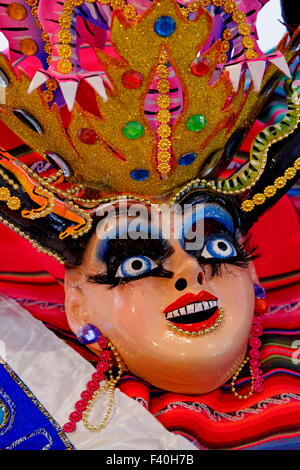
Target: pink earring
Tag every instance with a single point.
(260, 307)
(94, 389)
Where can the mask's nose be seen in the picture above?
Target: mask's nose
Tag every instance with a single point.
(187, 272)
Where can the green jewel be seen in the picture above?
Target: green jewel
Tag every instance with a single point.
(196, 122)
(133, 130)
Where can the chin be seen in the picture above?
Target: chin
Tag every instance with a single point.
(191, 379)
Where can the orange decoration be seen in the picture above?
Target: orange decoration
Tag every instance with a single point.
(28, 46)
(16, 11)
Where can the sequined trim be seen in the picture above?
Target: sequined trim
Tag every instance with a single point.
(36, 402)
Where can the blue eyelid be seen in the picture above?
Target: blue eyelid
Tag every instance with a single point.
(211, 211)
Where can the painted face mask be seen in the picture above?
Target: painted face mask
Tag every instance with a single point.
(178, 310)
(149, 109)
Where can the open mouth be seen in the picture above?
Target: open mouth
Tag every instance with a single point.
(194, 313)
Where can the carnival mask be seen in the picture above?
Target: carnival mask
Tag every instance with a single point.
(178, 309)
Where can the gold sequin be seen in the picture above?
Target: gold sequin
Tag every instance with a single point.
(270, 191)
(163, 116)
(130, 12)
(225, 46)
(65, 21)
(227, 34)
(248, 205)
(193, 7)
(164, 130)
(65, 51)
(163, 86)
(64, 36)
(4, 193)
(48, 96)
(163, 156)
(251, 54)
(218, 3)
(259, 198)
(118, 4)
(244, 29)
(164, 144)
(14, 203)
(163, 168)
(297, 164)
(52, 84)
(290, 173)
(248, 42)
(239, 16)
(64, 66)
(280, 182)
(163, 101)
(229, 6)
(162, 71)
(222, 58)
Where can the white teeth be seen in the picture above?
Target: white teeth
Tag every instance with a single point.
(190, 308)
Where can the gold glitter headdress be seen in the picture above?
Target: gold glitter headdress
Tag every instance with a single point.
(153, 99)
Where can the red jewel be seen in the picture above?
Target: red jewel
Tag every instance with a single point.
(87, 395)
(200, 66)
(80, 405)
(258, 387)
(103, 343)
(254, 354)
(97, 376)
(75, 416)
(255, 342)
(132, 79)
(87, 136)
(105, 355)
(254, 363)
(92, 385)
(69, 427)
(261, 306)
(102, 366)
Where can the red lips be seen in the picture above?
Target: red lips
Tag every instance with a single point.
(189, 298)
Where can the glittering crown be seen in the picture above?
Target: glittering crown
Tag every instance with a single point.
(135, 98)
(166, 103)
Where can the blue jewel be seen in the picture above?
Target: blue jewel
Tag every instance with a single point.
(164, 26)
(260, 292)
(139, 174)
(88, 334)
(187, 159)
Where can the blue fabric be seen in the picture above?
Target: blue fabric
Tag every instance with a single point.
(24, 422)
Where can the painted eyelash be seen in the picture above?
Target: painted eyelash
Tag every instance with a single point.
(159, 271)
(162, 251)
(245, 254)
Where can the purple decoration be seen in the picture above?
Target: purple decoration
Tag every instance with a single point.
(260, 292)
(88, 334)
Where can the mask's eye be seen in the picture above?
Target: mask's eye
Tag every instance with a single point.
(218, 247)
(135, 266)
